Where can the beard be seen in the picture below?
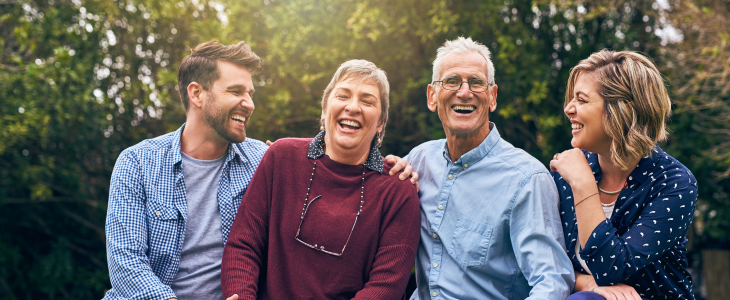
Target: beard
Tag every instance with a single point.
(218, 119)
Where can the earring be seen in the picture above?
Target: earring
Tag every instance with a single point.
(380, 141)
(321, 128)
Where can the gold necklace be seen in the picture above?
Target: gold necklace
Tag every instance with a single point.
(610, 193)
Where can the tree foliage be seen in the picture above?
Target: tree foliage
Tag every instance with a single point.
(82, 80)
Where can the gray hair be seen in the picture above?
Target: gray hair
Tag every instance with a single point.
(462, 46)
(366, 72)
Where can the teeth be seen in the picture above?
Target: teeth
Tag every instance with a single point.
(239, 118)
(577, 126)
(461, 107)
(350, 123)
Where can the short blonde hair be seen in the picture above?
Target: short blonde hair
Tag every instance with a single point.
(367, 72)
(636, 102)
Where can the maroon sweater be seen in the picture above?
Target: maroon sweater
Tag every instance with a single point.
(262, 260)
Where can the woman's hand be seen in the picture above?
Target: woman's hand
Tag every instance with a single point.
(617, 292)
(401, 164)
(572, 166)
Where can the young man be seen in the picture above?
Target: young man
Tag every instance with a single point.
(173, 198)
(490, 227)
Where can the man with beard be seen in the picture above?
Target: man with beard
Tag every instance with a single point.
(173, 198)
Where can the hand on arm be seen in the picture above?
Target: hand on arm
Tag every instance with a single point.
(402, 164)
(584, 282)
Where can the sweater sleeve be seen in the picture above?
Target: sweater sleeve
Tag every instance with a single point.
(396, 252)
(246, 248)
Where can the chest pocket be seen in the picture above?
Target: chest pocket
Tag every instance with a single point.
(470, 243)
(159, 212)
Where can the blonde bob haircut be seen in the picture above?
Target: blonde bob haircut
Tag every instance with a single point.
(636, 102)
(366, 72)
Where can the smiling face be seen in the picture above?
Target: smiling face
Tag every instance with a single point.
(586, 113)
(352, 116)
(463, 113)
(228, 104)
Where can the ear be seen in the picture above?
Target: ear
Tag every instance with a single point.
(493, 103)
(195, 91)
(432, 100)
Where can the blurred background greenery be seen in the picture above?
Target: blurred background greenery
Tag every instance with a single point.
(82, 80)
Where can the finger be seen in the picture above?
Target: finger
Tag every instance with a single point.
(268, 143)
(234, 297)
(400, 165)
(414, 176)
(606, 294)
(633, 295)
(620, 295)
(552, 165)
(418, 186)
(406, 172)
(390, 158)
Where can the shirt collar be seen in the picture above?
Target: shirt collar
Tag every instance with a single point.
(476, 154)
(641, 173)
(177, 158)
(373, 162)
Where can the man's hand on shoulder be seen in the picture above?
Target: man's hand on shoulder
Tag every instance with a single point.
(401, 164)
(235, 296)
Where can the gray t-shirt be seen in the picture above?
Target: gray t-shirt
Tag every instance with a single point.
(199, 275)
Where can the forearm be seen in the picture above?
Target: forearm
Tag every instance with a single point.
(583, 282)
(588, 211)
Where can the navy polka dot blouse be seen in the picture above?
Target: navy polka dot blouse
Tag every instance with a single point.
(643, 244)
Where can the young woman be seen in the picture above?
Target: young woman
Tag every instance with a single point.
(626, 205)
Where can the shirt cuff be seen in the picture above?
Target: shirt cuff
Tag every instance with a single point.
(601, 237)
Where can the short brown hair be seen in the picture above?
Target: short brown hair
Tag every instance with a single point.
(201, 65)
(636, 102)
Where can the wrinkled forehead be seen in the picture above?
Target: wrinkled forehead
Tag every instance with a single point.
(468, 65)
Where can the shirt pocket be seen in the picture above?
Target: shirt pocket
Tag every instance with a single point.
(162, 229)
(470, 243)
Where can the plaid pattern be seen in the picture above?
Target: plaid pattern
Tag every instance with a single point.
(145, 224)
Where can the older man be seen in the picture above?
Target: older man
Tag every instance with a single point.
(490, 227)
(173, 198)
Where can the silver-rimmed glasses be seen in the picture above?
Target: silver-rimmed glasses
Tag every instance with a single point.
(454, 84)
(319, 247)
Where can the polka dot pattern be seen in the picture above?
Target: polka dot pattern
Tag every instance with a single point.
(643, 243)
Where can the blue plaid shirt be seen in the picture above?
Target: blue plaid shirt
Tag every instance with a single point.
(145, 224)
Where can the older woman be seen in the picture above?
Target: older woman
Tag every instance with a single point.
(321, 218)
(626, 205)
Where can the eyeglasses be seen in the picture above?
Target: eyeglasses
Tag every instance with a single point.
(306, 208)
(454, 84)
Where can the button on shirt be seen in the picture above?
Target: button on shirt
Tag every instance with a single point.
(147, 213)
(490, 227)
(643, 243)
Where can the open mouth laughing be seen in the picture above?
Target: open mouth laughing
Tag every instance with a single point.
(464, 109)
(238, 118)
(576, 126)
(349, 124)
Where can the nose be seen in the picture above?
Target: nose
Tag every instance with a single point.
(247, 103)
(353, 106)
(569, 109)
(464, 91)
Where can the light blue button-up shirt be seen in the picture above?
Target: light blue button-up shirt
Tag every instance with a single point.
(490, 227)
